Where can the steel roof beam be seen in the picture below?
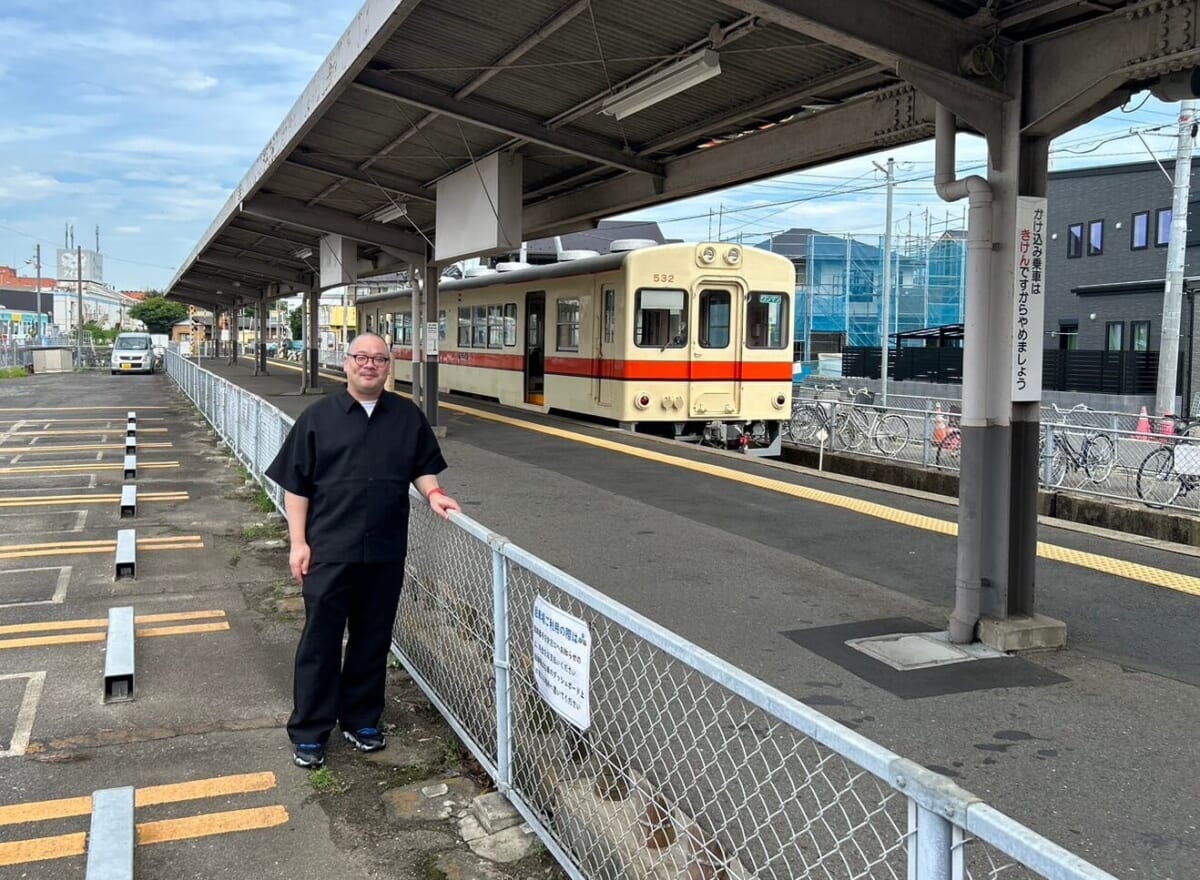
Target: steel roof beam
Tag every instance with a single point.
(1078, 73)
(894, 33)
(269, 271)
(321, 219)
(409, 189)
(502, 119)
(891, 117)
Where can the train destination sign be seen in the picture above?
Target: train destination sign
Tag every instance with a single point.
(562, 649)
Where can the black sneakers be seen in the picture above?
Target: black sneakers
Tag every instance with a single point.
(310, 756)
(365, 739)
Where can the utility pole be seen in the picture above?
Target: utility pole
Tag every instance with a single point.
(78, 306)
(37, 261)
(885, 305)
(1168, 347)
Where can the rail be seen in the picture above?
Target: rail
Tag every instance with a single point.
(678, 764)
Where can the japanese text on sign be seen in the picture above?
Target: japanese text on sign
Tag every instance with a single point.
(562, 650)
(1028, 302)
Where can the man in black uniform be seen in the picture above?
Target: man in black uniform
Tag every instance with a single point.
(345, 469)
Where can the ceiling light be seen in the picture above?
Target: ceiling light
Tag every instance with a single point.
(388, 213)
(302, 253)
(662, 84)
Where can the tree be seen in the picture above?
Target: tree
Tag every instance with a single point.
(296, 320)
(157, 312)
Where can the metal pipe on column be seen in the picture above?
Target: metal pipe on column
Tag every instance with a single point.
(313, 299)
(417, 274)
(430, 338)
(973, 421)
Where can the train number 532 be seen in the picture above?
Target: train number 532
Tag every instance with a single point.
(664, 278)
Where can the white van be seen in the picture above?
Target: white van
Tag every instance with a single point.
(133, 353)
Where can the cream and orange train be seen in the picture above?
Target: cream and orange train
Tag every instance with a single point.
(692, 341)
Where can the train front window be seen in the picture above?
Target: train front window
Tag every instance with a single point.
(714, 319)
(660, 318)
(767, 320)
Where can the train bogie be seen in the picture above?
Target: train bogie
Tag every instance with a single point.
(692, 341)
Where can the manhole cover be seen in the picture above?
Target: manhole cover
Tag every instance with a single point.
(906, 651)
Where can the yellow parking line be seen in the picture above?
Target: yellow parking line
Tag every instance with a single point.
(86, 638)
(168, 617)
(209, 824)
(43, 501)
(42, 849)
(75, 432)
(152, 795)
(9, 449)
(63, 846)
(37, 409)
(110, 419)
(86, 468)
(171, 542)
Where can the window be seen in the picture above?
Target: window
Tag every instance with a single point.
(1139, 232)
(1095, 238)
(610, 315)
(767, 320)
(495, 326)
(1074, 241)
(1162, 227)
(510, 324)
(1114, 335)
(1139, 335)
(479, 327)
(442, 325)
(660, 318)
(714, 319)
(402, 327)
(464, 327)
(568, 325)
(1068, 335)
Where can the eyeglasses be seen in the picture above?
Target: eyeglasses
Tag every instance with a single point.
(362, 360)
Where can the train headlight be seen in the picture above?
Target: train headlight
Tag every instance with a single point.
(708, 254)
(733, 256)
(642, 400)
(779, 402)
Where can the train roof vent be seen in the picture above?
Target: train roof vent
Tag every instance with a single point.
(511, 266)
(630, 244)
(568, 256)
(477, 271)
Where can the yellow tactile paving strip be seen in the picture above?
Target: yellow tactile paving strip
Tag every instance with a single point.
(1159, 577)
(189, 827)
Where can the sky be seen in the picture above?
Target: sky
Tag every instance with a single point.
(141, 118)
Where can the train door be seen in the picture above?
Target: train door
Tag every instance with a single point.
(716, 351)
(535, 348)
(605, 347)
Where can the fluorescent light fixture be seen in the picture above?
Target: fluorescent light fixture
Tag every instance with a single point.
(662, 84)
(388, 213)
(302, 253)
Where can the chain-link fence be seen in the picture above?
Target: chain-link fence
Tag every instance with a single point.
(1122, 456)
(675, 764)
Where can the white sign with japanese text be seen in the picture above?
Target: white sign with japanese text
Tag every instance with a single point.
(1029, 303)
(431, 339)
(562, 652)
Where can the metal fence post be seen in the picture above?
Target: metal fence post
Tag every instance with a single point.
(500, 659)
(932, 846)
(256, 471)
(926, 438)
(1048, 460)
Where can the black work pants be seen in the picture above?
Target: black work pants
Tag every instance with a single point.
(327, 689)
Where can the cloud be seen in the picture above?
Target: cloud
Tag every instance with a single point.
(18, 185)
(193, 81)
(128, 230)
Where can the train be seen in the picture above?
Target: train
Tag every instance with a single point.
(688, 341)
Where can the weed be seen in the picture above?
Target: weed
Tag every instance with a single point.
(263, 501)
(324, 781)
(261, 530)
(234, 558)
(13, 372)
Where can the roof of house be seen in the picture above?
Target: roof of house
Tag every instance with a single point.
(794, 244)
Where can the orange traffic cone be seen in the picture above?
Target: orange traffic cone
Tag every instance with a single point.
(939, 425)
(1167, 426)
(1143, 426)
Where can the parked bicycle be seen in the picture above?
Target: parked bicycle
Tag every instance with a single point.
(889, 432)
(1169, 472)
(1091, 452)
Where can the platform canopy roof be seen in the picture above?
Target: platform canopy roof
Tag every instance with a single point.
(416, 90)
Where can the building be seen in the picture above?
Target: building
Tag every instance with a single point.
(1106, 266)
